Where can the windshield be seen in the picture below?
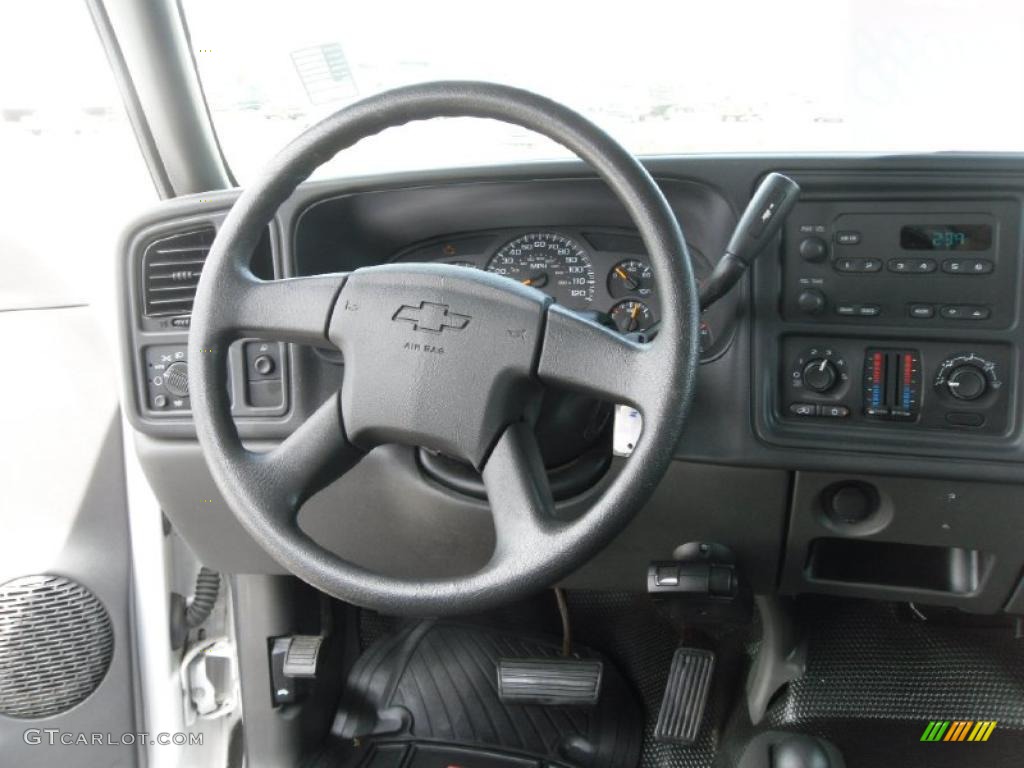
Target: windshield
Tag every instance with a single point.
(662, 78)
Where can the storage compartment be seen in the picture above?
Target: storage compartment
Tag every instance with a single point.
(955, 570)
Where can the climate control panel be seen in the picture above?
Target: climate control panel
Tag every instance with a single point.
(924, 385)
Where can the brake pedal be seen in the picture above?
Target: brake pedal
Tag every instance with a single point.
(551, 682)
(686, 695)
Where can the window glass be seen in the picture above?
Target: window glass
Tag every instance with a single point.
(663, 78)
(72, 172)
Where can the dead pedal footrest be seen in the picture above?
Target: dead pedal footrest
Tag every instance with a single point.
(686, 694)
(551, 682)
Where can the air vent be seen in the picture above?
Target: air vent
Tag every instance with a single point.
(171, 267)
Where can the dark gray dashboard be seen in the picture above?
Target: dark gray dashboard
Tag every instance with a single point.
(745, 428)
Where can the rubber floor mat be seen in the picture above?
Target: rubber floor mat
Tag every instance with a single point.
(876, 677)
(438, 682)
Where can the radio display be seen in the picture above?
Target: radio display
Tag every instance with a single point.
(946, 237)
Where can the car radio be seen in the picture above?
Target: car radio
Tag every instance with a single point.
(948, 264)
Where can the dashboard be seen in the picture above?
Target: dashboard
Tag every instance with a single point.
(859, 398)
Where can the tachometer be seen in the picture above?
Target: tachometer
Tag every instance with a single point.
(550, 262)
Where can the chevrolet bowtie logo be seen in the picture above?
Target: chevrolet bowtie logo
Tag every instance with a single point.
(431, 317)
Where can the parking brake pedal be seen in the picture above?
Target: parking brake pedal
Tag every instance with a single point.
(551, 682)
(686, 694)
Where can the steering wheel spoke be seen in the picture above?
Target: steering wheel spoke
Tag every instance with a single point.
(294, 309)
(312, 457)
(583, 355)
(518, 491)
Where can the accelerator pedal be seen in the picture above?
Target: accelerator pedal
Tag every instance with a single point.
(550, 682)
(686, 695)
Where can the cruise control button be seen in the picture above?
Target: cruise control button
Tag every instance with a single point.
(803, 409)
(922, 311)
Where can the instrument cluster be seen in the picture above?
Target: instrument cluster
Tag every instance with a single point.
(600, 270)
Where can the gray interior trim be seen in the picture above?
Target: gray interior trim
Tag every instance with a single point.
(157, 62)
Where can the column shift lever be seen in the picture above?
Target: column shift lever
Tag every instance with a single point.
(760, 222)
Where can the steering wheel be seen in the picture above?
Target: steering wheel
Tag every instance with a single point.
(444, 357)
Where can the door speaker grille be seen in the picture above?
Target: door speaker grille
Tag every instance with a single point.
(56, 643)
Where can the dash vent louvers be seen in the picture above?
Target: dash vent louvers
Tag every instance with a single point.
(171, 267)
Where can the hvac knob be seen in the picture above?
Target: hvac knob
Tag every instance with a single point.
(819, 375)
(966, 382)
(176, 379)
(811, 301)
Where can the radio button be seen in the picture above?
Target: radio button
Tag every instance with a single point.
(922, 311)
(869, 310)
(847, 238)
(968, 266)
(858, 265)
(846, 309)
(803, 409)
(965, 312)
(912, 266)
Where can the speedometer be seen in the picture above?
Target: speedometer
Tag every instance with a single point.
(550, 262)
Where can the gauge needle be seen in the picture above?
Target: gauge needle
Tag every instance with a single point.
(821, 367)
(625, 277)
(632, 315)
(537, 281)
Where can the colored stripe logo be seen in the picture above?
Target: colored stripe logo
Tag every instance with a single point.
(958, 730)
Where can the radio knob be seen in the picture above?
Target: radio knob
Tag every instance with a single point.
(813, 249)
(811, 301)
(819, 375)
(966, 382)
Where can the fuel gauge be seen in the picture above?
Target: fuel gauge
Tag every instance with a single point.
(632, 316)
(631, 277)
